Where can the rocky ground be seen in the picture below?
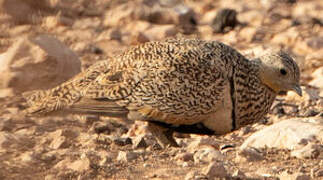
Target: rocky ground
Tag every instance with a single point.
(43, 43)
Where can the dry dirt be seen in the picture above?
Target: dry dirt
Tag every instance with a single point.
(75, 147)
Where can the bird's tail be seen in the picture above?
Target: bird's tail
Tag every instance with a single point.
(42, 102)
(35, 101)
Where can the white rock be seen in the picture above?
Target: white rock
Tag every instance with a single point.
(37, 63)
(126, 156)
(309, 151)
(287, 134)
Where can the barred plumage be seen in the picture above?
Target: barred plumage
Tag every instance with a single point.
(177, 82)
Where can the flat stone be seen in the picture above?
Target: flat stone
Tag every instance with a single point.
(287, 134)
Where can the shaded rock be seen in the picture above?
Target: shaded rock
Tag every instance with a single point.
(6, 140)
(215, 170)
(287, 133)
(37, 63)
(139, 142)
(126, 156)
(208, 154)
(122, 141)
(102, 127)
(225, 18)
(249, 155)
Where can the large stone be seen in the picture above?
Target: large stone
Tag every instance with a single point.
(287, 134)
(37, 63)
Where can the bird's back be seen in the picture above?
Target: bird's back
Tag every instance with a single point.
(178, 81)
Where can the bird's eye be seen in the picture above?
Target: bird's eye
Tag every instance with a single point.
(283, 71)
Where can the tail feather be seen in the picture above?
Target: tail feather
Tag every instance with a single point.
(49, 102)
(101, 107)
(35, 100)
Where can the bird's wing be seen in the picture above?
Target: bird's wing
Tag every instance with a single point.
(169, 82)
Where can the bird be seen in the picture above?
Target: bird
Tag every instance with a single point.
(179, 84)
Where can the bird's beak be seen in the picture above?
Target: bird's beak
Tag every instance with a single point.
(297, 88)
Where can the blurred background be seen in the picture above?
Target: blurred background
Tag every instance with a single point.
(46, 42)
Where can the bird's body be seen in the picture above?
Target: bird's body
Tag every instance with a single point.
(177, 82)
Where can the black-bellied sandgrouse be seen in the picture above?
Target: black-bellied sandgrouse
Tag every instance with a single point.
(176, 83)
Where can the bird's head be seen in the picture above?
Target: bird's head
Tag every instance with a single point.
(280, 72)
